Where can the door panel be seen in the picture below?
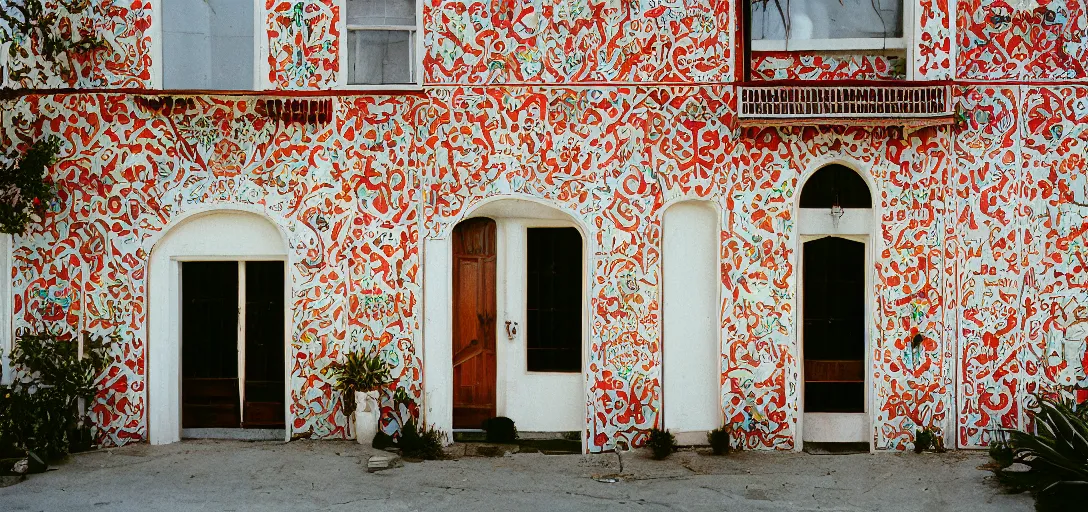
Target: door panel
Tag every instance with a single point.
(264, 375)
(209, 341)
(473, 322)
(834, 325)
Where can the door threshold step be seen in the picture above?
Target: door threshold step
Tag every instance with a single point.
(470, 435)
(835, 448)
(235, 434)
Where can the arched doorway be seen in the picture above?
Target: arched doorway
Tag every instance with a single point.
(836, 219)
(512, 277)
(217, 328)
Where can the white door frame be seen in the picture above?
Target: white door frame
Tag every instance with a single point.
(208, 234)
(860, 225)
(438, 306)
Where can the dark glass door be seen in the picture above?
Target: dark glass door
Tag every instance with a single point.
(834, 325)
(554, 300)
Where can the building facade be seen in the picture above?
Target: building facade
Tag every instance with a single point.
(405, 195)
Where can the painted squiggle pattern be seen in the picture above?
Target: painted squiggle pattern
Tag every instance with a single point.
(1023, 322)
(126, 171)
(933, 40)
(303, 43)
(989, 337)
(1029, 40)
(1054, 199)
(123, 61)
(816, 66)
(573, 41)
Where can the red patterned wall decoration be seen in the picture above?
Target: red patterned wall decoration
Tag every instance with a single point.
(826, 66)
(933, 40)
(553, 41)
(303, 43)
(124, 60)
(1031, 40)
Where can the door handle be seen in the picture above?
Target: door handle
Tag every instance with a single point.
(511, 330)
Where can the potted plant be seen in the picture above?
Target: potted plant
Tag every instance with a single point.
(359, 378)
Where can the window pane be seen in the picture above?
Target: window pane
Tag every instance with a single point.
(381, 12)
(554, 300)
(827, 19)
(207, 44)
(379, 57)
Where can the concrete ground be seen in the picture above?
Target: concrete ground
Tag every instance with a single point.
(329, 475)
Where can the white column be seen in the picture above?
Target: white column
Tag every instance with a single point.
(437, 334)
(6, 313)
(690, 281)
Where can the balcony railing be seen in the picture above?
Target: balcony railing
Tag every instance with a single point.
(845, 102)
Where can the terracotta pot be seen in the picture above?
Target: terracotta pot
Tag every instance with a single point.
(366, 416)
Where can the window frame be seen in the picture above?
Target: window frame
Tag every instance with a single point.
(416, 53)
(902, 43)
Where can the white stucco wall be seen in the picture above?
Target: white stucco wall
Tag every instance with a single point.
(691, 279)
(225, 235)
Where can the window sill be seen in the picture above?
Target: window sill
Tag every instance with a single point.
(381, 87)
(837, 45)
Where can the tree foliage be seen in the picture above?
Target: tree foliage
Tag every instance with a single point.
(25, 188)
(39, 35)
(43, 412)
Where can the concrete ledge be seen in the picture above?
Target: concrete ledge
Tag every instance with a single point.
(693, 438)
(237, 434)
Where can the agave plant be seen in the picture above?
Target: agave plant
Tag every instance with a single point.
(1057, 453)
(360, 372)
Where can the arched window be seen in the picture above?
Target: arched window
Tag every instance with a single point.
(836, 184)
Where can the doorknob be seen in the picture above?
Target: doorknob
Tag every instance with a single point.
(511, 330)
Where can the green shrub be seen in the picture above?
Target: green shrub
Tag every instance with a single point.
(923, 440)
(359, 373)
(1056, 455)
(421, 443)
(383, 441)
(500, 430)
(42, 416)
(928, 438)
(661, 443)
(719, 440)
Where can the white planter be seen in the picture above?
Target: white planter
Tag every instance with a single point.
(366, 416)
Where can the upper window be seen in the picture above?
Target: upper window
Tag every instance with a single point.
(207, 44)
(381, 42)
(827, 24)
(836, 185)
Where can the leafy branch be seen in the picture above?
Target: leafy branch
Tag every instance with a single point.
(36, 35)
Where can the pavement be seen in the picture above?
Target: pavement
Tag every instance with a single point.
(331, 476)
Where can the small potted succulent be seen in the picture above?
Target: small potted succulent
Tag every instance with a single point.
(359, 378)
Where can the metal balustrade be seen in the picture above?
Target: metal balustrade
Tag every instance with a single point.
(870, 101)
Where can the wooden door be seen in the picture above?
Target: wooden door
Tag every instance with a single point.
(264, 349)
(209, 344)
(473, 323)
